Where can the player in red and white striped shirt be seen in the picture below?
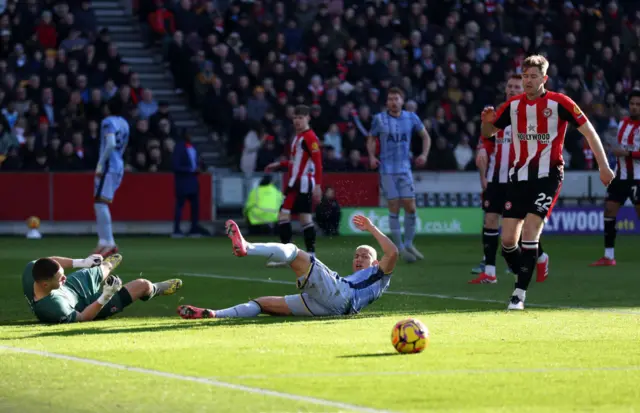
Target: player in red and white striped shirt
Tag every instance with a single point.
(539, 120)
(494, 159)
(304, 184)
(626, 184)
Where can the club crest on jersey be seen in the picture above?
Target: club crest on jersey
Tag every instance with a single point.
(507, 205)
(315, 147)
(577, 110)
(547, 112)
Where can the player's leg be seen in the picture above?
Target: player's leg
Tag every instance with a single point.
(104, 194)
(617, 194)
(490, 234)
(304, 206)
(177, 217)
(284, 217)
(531, 231)
(514, 211)
(404, 183)
(140, 289)
(390, 192)
(291, 305)
(288, 254)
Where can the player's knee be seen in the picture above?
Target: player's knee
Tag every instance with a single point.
(611, 210)
(140, 288)
(509, 240)
(491, 221)
(284, 216)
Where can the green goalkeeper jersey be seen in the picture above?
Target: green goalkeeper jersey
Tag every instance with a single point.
(80, 290)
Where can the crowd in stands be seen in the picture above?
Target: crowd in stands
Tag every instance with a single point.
(245, 64)
(251, 61)
(61, 76)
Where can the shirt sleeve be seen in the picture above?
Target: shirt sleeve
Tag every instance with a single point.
(503, 116)
(416, 124)
(375, 127)
(56, 310)
(488, 144)
(312, 145)
(569, 111)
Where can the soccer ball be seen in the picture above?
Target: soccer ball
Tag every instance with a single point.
(33, 222)
(409, 336)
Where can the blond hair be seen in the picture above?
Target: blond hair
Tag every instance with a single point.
(370, 249)
(538, 61)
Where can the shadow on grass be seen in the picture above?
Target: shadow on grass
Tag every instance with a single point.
(368, 355)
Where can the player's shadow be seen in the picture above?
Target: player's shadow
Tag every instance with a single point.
(368, 355)
(96, 329)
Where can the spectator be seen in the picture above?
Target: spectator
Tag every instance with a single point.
(328, 213)
(147, 107)
(185, 169)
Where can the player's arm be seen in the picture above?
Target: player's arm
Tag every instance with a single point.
(110, 145)
(92, 260)
(418, 126)
(389, 250)
(568, 110)
(372, 140)
(493, 121)
(112, 285)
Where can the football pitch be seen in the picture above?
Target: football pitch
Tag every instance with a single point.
(575, 348)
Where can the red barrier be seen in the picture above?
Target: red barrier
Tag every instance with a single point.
(141, 197)
(354, 189)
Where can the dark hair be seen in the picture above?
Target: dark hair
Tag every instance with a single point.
(301, 110)
(44, 269)
(395, 91)
(516, 76)
(635, 93)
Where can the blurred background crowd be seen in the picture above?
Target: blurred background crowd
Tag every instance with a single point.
(244, 65)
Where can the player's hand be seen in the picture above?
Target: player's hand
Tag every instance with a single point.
(483, 182)
(606, 175)
(272, 166)
(482, 159)
(93, 260)
(421, 160)
(620, 152)
(374, 162)
(362, 223)
(317, 193)
(488, 115)
(112, 284)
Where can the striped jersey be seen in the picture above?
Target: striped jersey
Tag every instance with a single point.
(368, 285)
(628, 167)
(501, 155)
(305, 162)
(394, 134)
(119, 127)
(538, 128)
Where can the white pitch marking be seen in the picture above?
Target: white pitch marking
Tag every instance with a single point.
(416, 294)
(435, 372)
(193, 379)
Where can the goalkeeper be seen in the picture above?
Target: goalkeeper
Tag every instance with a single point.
(57, 298)
(322, 291)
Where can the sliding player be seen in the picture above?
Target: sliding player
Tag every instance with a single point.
(394, 129)
(539, 121)
(626, 184)
(494, 176)
(304, 185)
(114, 132)
(322, 291)
(57, 298)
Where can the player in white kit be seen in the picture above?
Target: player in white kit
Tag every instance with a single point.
(114, 136)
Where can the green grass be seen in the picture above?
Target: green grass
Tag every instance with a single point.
(480, 358)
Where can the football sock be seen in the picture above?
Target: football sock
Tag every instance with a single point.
(527, 264)
(409, 228)
(490, 245)
(540, 250)
(250, 309)
(273, 251)
(609, 236)
(520, 293)
(394, 226)
(103, 221)
(285, 231)
(154, 290)
(309, 232)
(512, 256)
